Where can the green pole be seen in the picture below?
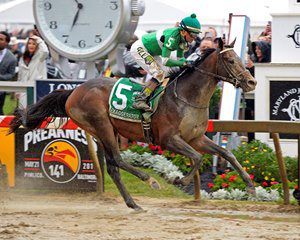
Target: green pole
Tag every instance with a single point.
(30, 95)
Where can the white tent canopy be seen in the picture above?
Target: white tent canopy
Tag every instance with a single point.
(165, 13)
(16, 12)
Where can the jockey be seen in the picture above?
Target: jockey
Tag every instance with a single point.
(153, 52)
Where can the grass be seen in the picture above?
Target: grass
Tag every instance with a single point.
(10, 104)
(136, 187)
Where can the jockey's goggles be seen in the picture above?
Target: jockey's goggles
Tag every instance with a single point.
(193, 34)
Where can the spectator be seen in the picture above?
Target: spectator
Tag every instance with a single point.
(261, 51)
(8, 63)
(14, 48)
(211, 33)
(266, 35)
(205, 44)
(32, 65)
(261, 54)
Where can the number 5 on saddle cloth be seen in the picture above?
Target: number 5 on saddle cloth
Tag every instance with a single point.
(122, 97)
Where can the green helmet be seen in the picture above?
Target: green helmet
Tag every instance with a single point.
(191, 24)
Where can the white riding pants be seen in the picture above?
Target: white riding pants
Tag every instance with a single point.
(152, 65)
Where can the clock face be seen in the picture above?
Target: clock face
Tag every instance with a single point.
(78, 29)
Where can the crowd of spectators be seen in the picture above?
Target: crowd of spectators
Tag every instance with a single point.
(24, 56)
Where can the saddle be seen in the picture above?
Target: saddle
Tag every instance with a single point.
(122, 97)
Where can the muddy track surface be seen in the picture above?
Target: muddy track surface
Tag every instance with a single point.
(86, 216)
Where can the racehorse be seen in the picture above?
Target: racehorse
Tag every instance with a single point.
(178, 125)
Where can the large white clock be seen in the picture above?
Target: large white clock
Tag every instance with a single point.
(86, 30)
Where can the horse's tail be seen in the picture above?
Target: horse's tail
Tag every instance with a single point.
(52, 105)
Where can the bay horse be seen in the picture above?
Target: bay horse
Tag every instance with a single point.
(178, 125)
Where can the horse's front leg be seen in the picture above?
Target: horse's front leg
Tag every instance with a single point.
(205, 145)
(178, 145)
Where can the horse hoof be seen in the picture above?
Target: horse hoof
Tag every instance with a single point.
(138, 209)
(153, 183)
(177, 181)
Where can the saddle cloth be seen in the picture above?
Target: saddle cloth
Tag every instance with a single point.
(122, 96)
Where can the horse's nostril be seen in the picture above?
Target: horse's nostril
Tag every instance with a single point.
(252, 83)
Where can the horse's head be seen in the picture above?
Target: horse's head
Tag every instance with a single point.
(231, 68)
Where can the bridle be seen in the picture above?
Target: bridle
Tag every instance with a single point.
(234, 79)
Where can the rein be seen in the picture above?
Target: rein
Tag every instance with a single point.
(233, 79)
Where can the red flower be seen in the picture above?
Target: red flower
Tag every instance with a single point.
(251, 176)
(143, 144)
(232, 178)
(173, 155)
(159, 152)
(152, 147)
(223, 175)
(210, 185)
(265, 184)
(158, 148)
(274, 183)
(297, 187)
(225, 185)
(133, 143)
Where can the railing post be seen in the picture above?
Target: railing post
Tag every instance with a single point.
(282, 169)
(197, 183)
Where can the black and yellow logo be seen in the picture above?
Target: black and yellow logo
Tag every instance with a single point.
(60, 161)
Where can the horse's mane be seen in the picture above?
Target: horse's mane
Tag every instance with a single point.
(197, 62)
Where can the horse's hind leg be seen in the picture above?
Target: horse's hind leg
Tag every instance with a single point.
(113, 171)
(113, 160)
(205, 145)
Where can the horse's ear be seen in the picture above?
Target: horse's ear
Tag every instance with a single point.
(232, 44)
(220, 43)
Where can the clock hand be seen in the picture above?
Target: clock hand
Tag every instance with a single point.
(79, 7)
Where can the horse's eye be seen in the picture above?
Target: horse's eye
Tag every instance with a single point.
(231, 61)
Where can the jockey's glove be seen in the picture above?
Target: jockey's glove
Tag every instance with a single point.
(188, 64)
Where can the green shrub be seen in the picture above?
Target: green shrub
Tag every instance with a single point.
(291, 165)
(258, 159)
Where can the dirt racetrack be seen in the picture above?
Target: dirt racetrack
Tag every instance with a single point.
(86, 216)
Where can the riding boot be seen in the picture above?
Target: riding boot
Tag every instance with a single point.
(140, 102)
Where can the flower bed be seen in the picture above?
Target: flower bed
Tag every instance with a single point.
(257, 158)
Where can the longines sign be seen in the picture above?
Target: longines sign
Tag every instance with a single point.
(285, 102)
(44, 87)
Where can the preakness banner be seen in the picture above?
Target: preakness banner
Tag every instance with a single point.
(285, 102)
(53, 159)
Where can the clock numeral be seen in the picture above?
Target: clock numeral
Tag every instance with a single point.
(82, 44)
(114, 5)
(109, 25)
(47, 6)
(53, 25)
(98, 39)
(66, 38)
